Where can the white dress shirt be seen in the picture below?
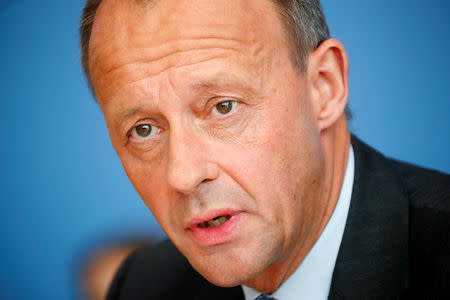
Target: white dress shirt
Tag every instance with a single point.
(312, 279)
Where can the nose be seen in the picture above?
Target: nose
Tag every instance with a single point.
(189, 164)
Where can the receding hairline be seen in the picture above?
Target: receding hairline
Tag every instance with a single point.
(299, 52)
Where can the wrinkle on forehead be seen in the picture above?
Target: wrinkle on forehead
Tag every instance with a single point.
(122, 24)
(160, 58)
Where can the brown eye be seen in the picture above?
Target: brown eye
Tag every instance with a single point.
(225, 107)
(143, 131)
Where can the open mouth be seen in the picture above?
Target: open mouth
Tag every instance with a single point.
(214, 222)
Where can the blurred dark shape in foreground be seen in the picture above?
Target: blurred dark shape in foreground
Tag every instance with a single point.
(98, 266)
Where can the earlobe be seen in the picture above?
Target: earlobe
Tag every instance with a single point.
(328, 75)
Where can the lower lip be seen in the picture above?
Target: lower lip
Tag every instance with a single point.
(211, 236)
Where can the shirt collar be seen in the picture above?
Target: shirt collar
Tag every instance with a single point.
(312, 279)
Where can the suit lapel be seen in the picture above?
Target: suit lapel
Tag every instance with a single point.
(372, 262)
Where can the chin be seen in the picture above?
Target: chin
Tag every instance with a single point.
(227, 278)
(229, 270)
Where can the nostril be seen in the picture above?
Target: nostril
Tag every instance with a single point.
(206, 180)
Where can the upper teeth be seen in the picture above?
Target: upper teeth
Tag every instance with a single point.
(214, 222)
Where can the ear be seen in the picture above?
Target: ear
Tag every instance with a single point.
(328, 79)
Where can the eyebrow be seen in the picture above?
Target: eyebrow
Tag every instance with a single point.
(129, 112)
(217, 80)
(221, 80)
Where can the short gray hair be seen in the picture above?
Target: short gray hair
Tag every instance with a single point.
(87, 21)
(306, 27)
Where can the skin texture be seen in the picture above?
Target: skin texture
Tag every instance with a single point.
(277, 158)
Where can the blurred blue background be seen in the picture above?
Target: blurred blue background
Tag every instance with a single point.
(62, 187)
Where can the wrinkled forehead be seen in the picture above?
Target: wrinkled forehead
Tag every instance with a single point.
(123, 24)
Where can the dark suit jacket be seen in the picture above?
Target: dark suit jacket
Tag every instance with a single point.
(396, 243)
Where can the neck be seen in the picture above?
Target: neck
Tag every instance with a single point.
(335, 146)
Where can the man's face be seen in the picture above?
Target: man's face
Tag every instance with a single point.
(214, 127)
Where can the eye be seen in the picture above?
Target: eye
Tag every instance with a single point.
(142, 131)
(225, 107)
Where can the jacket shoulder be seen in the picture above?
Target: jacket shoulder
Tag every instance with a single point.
(429, 218)
(403, 212)
(426, 188)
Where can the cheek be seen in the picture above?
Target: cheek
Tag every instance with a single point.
(264, 170)
(280, 167)
(146, 179)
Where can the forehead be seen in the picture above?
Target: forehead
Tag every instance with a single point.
(154, 28)
(164, 16)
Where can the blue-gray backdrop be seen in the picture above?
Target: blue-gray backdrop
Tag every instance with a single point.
(62, 188)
